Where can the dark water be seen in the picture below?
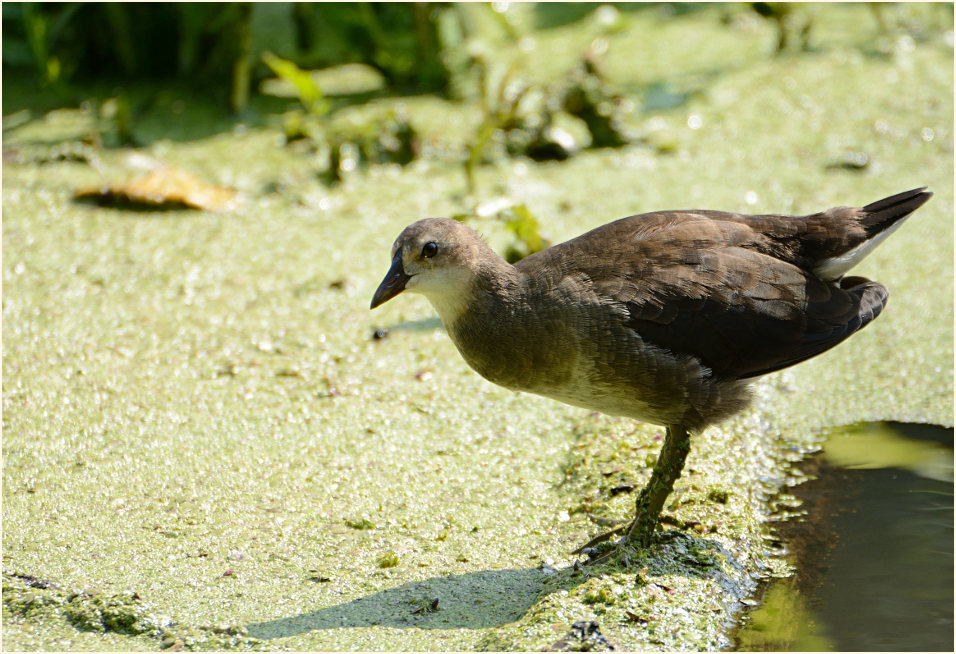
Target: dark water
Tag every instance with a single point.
(873, 551)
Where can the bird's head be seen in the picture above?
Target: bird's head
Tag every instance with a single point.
(438, 258)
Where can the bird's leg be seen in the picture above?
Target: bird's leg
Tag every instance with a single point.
(669, 464)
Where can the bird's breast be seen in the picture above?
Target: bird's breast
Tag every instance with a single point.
(517, 349)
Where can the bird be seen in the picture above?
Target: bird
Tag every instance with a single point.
(664, 317)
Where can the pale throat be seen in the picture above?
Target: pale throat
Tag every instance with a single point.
(448, 290)
(457, 291)
(450, 303)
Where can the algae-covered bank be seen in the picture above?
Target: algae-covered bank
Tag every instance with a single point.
(207, 445)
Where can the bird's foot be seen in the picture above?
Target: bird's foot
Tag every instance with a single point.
(636, 534)
(649, 503)
(599, 540)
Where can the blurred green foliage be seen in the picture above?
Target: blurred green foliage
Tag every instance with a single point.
(121, 62)
(527, 232)
(218, 46)
(229, 50)
(374, 137)
(306, 88)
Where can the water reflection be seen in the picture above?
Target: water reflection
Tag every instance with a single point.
(873, 552)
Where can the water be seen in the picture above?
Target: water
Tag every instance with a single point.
(873, 550)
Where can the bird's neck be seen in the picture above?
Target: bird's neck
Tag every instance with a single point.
(489, 289)
(488, 326)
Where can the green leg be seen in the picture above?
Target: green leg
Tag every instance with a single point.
(669, 464)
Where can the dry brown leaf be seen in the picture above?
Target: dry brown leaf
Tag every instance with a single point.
(162, 188)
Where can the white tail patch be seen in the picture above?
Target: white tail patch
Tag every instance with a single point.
(834, 268)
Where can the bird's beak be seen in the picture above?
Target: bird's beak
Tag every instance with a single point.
(393, 284)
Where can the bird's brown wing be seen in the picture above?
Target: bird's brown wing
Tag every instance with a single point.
(784, 317)
(692, 284)
(810, 240)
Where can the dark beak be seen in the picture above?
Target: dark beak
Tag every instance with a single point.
(393, 284)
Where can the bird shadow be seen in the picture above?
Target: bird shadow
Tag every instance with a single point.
(486, 598)
(474, 600)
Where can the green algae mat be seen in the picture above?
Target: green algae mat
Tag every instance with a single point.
(208, 445)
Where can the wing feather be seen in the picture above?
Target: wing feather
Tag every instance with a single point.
(705, 284)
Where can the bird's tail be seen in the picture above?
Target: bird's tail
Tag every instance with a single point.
(885, 213)
(878, 219)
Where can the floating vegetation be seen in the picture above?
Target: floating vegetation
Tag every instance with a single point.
(362, 523)
(388, 560)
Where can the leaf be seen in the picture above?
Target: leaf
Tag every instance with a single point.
(165, 188)
(527, 229)
(306, 88)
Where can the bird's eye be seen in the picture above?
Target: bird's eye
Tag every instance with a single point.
(430, 250)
